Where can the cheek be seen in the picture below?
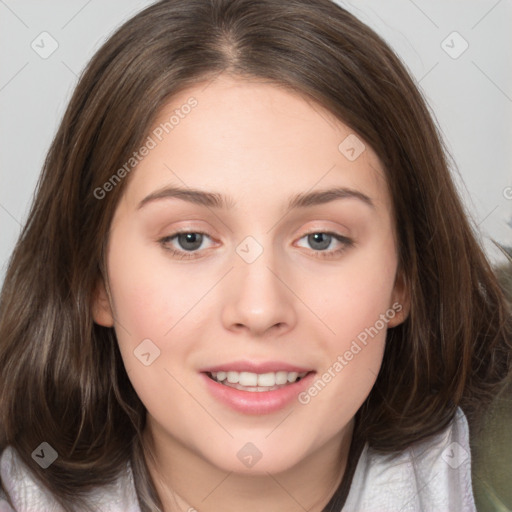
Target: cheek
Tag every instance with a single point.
(356, 302)
(150, 295)
(354, 297)
(152, 302)
(356, 307)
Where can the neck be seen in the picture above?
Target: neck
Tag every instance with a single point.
(186, 482)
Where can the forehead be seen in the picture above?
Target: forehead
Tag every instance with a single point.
(253, 141)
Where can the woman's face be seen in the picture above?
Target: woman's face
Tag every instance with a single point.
(289, 268)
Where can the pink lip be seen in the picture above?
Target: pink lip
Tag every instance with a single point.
(248, 402)
(247, 366)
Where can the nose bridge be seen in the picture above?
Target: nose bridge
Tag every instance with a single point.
(255, 281)
(258, 299)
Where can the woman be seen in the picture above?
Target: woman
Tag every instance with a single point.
(274, 375)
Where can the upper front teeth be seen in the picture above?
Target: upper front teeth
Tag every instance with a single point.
(257, 379)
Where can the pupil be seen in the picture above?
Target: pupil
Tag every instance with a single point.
(190, 241)
(322, 239)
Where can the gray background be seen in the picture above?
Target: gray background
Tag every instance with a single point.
(470, 93)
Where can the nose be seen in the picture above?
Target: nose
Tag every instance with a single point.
(259, 300)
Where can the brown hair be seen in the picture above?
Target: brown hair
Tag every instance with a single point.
(63, 380)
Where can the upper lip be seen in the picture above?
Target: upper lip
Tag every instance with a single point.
(263, 367)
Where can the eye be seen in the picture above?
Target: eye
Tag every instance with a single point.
(188, 242)
(320, 241)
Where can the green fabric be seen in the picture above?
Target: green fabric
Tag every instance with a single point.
(491, 450)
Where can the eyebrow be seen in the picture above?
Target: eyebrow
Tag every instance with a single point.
(216, 200)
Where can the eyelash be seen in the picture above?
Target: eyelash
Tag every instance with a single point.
(185, 255)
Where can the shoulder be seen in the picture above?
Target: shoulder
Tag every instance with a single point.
(4, 504)
(9, 476)
(431, 475)
(26, 494)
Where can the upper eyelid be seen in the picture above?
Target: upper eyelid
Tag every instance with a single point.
(198, 231)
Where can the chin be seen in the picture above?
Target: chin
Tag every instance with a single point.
(256, 458)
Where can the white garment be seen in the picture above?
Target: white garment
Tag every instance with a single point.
(28, 496)
(431, 476)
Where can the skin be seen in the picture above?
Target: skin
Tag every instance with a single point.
(259, 144)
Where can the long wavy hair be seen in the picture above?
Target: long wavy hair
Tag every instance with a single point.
(62, 377)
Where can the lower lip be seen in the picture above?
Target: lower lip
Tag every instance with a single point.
(257, 402)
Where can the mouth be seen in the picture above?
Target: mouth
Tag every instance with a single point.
(256, 388)
(256, 382)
